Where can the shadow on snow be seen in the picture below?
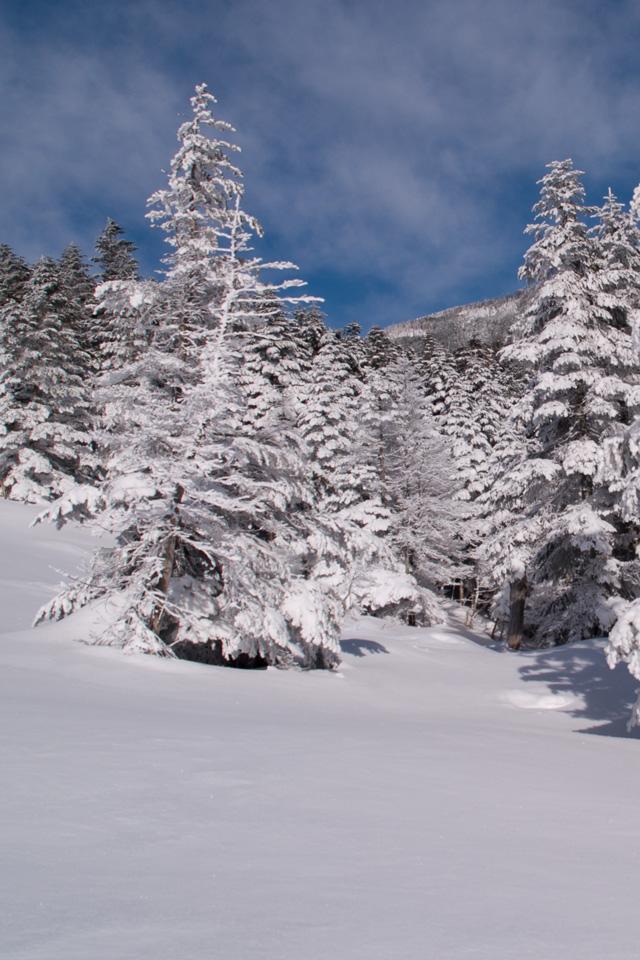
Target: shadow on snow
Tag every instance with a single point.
(360, 648)
(606, 696)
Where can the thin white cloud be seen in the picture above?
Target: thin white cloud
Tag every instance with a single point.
(396, 142)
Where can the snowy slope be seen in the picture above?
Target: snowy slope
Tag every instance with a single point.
(488, 321)
(437, 798)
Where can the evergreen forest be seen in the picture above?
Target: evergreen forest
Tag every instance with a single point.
(258, 475)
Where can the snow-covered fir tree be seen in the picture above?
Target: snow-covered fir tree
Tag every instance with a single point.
(46, 445)
(218, 552)
(114, 254)
(421, 483)
(347, 464)
(276, 362)
(619, 234)
(620, 470)
(76, 283)
(78, 288)
(470, 395)
(378, 350)
(14, 274)
(561, 542)
(121, 330)
(414, 473)
(122, 300)
(344, 484)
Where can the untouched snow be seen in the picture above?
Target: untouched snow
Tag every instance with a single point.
(438, 798)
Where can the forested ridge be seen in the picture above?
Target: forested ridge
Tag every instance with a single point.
(259, 475)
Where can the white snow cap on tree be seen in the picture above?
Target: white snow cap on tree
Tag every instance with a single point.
(212, 510)
(575, 339)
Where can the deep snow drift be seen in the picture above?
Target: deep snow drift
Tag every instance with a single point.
(437, 798)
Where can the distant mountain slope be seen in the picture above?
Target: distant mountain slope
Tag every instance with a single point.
(488, 321)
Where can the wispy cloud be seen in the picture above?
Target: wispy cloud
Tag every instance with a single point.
(390, 147)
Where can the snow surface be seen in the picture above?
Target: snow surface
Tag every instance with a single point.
(438, 797)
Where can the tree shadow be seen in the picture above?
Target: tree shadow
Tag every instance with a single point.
(479, 638)
(605, 696)
(360, 648)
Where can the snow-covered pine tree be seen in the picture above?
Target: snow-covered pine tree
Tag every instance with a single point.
(502, 530)
(14, 274)
(377, 407)
(565, 540)
(619, 235)
(329, 424)
(78, 288)
(121, 329)
(490, 390)
(470, 395)
(439, 376)
(46, 444)
(309, 330)
(344, 466)
(76, 283)
(379, 350)
(210, 508)
(620, 470)
(351, 333)
(114, 254)
(122, 300)
(421, 483)
(276, 362)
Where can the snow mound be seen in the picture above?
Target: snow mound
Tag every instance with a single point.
(538, 701)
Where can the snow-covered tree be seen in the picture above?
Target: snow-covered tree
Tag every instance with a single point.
(379, 350)
(329, 424)
(78, 288)
(470, 395)
(45, 444)
(562, 535)
(114, 254)
(439, 377)
(14, 274)
(76, 283)
(421, 483)
(122, 299)
(620, 469)
(618, 234)
(218, 554)
(276, 362)
(121, 330)
(347, 466)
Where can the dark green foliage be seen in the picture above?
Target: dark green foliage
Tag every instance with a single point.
(14, 274)
(309, 329)
(44, 404)
(114, 254)
(379, 349)
(78, 286)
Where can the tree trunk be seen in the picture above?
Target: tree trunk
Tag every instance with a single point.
(165, 579)
(474, 606)
(168, 561)
(517, 596)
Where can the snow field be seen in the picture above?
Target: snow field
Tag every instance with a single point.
(438, 797)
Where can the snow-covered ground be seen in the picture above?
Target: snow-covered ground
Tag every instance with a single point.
(437, 798)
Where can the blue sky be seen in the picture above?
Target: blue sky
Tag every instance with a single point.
(390, 147)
